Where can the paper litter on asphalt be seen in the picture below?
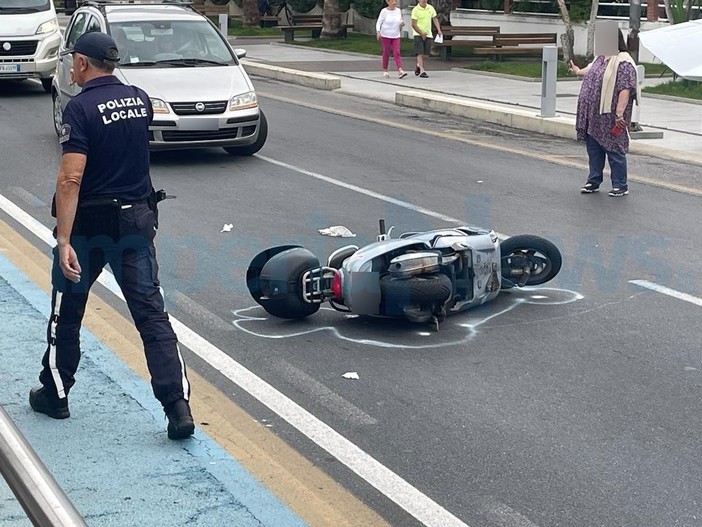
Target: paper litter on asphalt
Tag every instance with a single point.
(337, 230)
(227, 227)
(351, 375)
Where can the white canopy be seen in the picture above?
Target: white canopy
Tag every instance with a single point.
(677, 46)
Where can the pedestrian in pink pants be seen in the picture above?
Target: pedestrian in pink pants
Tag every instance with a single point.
(387, 31)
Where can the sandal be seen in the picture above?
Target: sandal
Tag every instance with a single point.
(386, 74)
(402, 74)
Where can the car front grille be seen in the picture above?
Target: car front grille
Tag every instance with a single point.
(199, 135)
(18, 47)
(188, 108)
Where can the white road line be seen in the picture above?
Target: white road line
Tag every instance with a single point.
(325, 397)
(668, 291)
(370, 193)
(362, 190)
(364, 465)
(207, 317)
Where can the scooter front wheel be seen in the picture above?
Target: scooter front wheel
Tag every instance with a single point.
(528, 255)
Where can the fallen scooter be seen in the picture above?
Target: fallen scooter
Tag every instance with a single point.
(420, 276)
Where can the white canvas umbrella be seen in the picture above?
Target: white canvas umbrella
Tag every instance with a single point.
(678, 47)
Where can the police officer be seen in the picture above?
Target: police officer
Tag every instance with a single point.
(105, 212)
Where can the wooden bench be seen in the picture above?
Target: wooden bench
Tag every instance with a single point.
(518, 44)
(312, 23)
(478, 36)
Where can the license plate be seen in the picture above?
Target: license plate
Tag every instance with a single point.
(202, 123)
(9, 68)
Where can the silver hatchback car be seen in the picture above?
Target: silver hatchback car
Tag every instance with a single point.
(201, 95)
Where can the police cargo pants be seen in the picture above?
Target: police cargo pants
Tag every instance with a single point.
(122, 237)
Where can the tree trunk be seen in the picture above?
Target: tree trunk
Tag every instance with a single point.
(250, 15)
(668, 12)
(443, 12)
(567, 38)
(590, 53)
(331, 20)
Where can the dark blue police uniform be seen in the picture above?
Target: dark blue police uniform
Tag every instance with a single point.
(116, 223)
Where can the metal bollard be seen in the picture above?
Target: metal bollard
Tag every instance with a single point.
(548, 81)
(224, 24)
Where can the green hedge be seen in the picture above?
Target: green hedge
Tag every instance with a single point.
(369, 8)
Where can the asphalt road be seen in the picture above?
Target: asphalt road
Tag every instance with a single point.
(574, 405)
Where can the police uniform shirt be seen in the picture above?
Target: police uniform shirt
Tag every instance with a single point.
(108, 121)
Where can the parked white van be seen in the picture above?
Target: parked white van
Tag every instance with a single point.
(29, 40)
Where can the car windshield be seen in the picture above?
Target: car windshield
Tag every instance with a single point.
(169, 44)
(24, 6)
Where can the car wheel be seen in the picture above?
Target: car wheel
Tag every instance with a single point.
(251, 149)
(46, 84)
(58, 114)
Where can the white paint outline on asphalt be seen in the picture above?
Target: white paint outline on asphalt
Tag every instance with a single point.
(668, 291)
(363, 464)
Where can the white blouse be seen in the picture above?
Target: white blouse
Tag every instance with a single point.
(389, 22)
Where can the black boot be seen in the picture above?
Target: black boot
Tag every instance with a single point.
(180, 420)
(42, 402)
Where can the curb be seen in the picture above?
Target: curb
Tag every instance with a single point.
(319, 81)
(523, 119)
(492, 113)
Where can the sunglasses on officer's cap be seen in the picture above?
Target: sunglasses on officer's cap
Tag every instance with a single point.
(96, 45)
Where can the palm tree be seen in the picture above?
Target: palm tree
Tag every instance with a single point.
(331, 20)
(443, 11)
(250, 14)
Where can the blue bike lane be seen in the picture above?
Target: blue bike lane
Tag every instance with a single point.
(112, 457)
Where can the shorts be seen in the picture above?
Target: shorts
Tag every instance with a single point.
(422, 46)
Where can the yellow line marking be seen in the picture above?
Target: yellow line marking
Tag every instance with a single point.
(555, 159)
(304, 488)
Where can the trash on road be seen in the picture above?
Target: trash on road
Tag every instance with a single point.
(337, 230)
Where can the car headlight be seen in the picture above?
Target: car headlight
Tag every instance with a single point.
(48, 27)
(159, 106)
(243, 101)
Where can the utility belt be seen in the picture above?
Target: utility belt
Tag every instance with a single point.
(102, 215)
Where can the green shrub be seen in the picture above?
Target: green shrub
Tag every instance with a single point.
(302, 6)
(492, 5)
(344, 5)
(369, 8)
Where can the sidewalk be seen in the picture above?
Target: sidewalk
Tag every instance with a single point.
(112, 457)
(490, 97)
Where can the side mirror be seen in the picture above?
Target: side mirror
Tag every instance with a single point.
(240, 53)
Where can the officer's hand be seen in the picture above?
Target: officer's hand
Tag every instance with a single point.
(68, 261)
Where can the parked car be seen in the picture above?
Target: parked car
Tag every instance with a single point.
(201, 95)
(29, 40)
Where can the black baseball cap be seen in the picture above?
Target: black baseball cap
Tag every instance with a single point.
(96, 45)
